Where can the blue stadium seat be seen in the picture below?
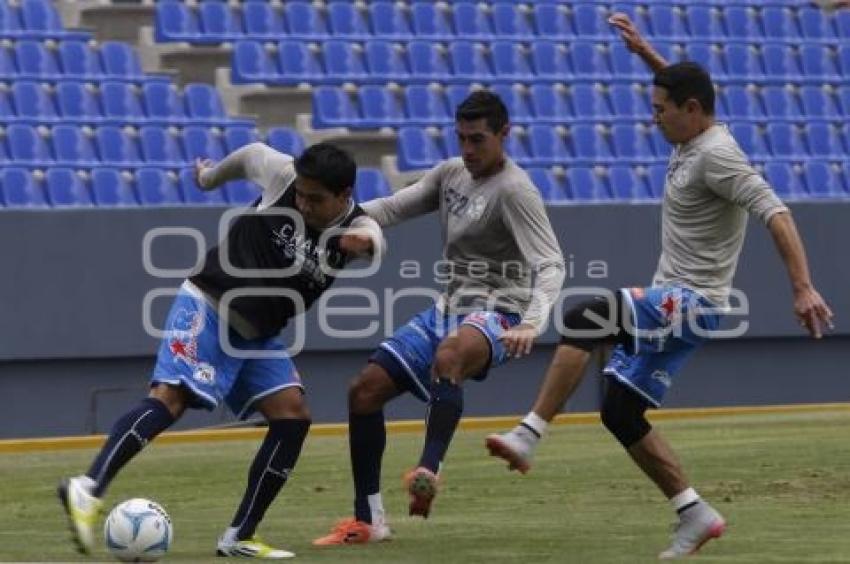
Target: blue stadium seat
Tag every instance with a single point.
(10, 20)
(387, 62)
(238, 136)
(785, 141)
(630, 101)
(667, 22)
(192, 193)
(18, 189)
(262, 21)
(286, 140)
(741, 23)
(472, 21)
(661, 146)
(818, 64)
(636, 13)
(469, 61)
(117, 148)
(590, 102)
(203, 104)
(657, 179)
(743, 62)
(516, 147)
(41, 16)
(33, 102)
(511, 21)
(842, 24)
(121, 103)
(590, 144)
(161, 147)
(26, 146)
(344, 61)
(298, 62)
(451, 146)
(347, 21)
(428, 61)
(741, 102)
(111, 188)
(175, 21)
(79, 60)
(511, 62)
(591, 22)
(589, 60)
(241, 192)
(163, 103)
(201, 143)
(824, 141)
(843, 95)
(417, 149)
(704, 23)
(750, 139)
(7, 112)
(819, 102)
(381, 107)
(430, 21)
(35, 61)
(551, 61)
(389, 20)
(547, 145)
(219, 23)
(8, 69)
(426, 105)
(584, 184)
(550, 103)
(552, 21)
(252, 63)
(516, 99)
(305, 21)
(65, 188)
(815, 24)
(626, 184)
(708, 56)
(73, 147)
(370, 184)
(551, 190)
(120, 60)
(823, 180)
(626, 66)
(844, 60)
(78, 103)
(780, 102)
(632, 143)
(332, 107)
(784, 179)
(779, 23)
(455, 95)
(157, 187)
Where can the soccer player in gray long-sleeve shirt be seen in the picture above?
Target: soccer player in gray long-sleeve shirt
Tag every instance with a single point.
(507, 270)
(710, 188)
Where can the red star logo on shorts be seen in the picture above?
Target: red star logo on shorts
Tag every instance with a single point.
(178, 349)
(669, 306)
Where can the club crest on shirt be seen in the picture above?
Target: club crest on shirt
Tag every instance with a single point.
(476, 208)
(679, 174)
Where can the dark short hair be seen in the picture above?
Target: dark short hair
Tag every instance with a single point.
(483, 104)
(329, 165)
(687, 80)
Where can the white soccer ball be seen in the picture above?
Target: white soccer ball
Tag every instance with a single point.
(138, 530)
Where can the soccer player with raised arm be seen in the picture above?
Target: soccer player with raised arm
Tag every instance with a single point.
(281, 256)
(507, 270)
(710, 188)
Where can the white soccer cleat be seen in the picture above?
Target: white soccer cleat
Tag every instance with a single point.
(251, 548)
(697, 525)
(516, 447)
(82, 508)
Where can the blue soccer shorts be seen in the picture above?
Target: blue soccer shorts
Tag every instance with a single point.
(407, 355)
(668, 324)
(191, 355)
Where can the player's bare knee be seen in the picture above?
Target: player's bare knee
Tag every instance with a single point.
(448, 361)
(288, 403)
(369, 390)
(624, 415)
(174, 398)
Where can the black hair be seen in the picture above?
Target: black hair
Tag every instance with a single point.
(687, 80)
(329, 165)
(483, 104)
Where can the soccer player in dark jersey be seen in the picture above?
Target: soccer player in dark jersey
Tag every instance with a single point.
(710, 189)
(222, 339)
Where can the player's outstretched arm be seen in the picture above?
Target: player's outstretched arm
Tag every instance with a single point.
(256, 162)
(636, 42)
(809, 307)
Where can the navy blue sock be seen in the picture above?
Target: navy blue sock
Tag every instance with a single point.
(127, 438)
(269, 471)
(443, 417)
(367, 439)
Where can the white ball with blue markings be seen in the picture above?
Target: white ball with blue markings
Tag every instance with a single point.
(138, 530)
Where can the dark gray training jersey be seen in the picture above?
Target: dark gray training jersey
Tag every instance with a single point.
(709, 190)
(497, 238)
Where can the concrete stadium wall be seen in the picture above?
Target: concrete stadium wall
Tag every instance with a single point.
(74, 354)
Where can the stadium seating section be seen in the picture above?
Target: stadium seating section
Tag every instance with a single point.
(83, 125)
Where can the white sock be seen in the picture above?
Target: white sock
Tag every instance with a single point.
(684, 498)
(536, 424)
(87, 482)
(376, 506)
(229, 536)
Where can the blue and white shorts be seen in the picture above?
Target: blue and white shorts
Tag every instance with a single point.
(191, 355)
(671, 323)
(407, 355)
